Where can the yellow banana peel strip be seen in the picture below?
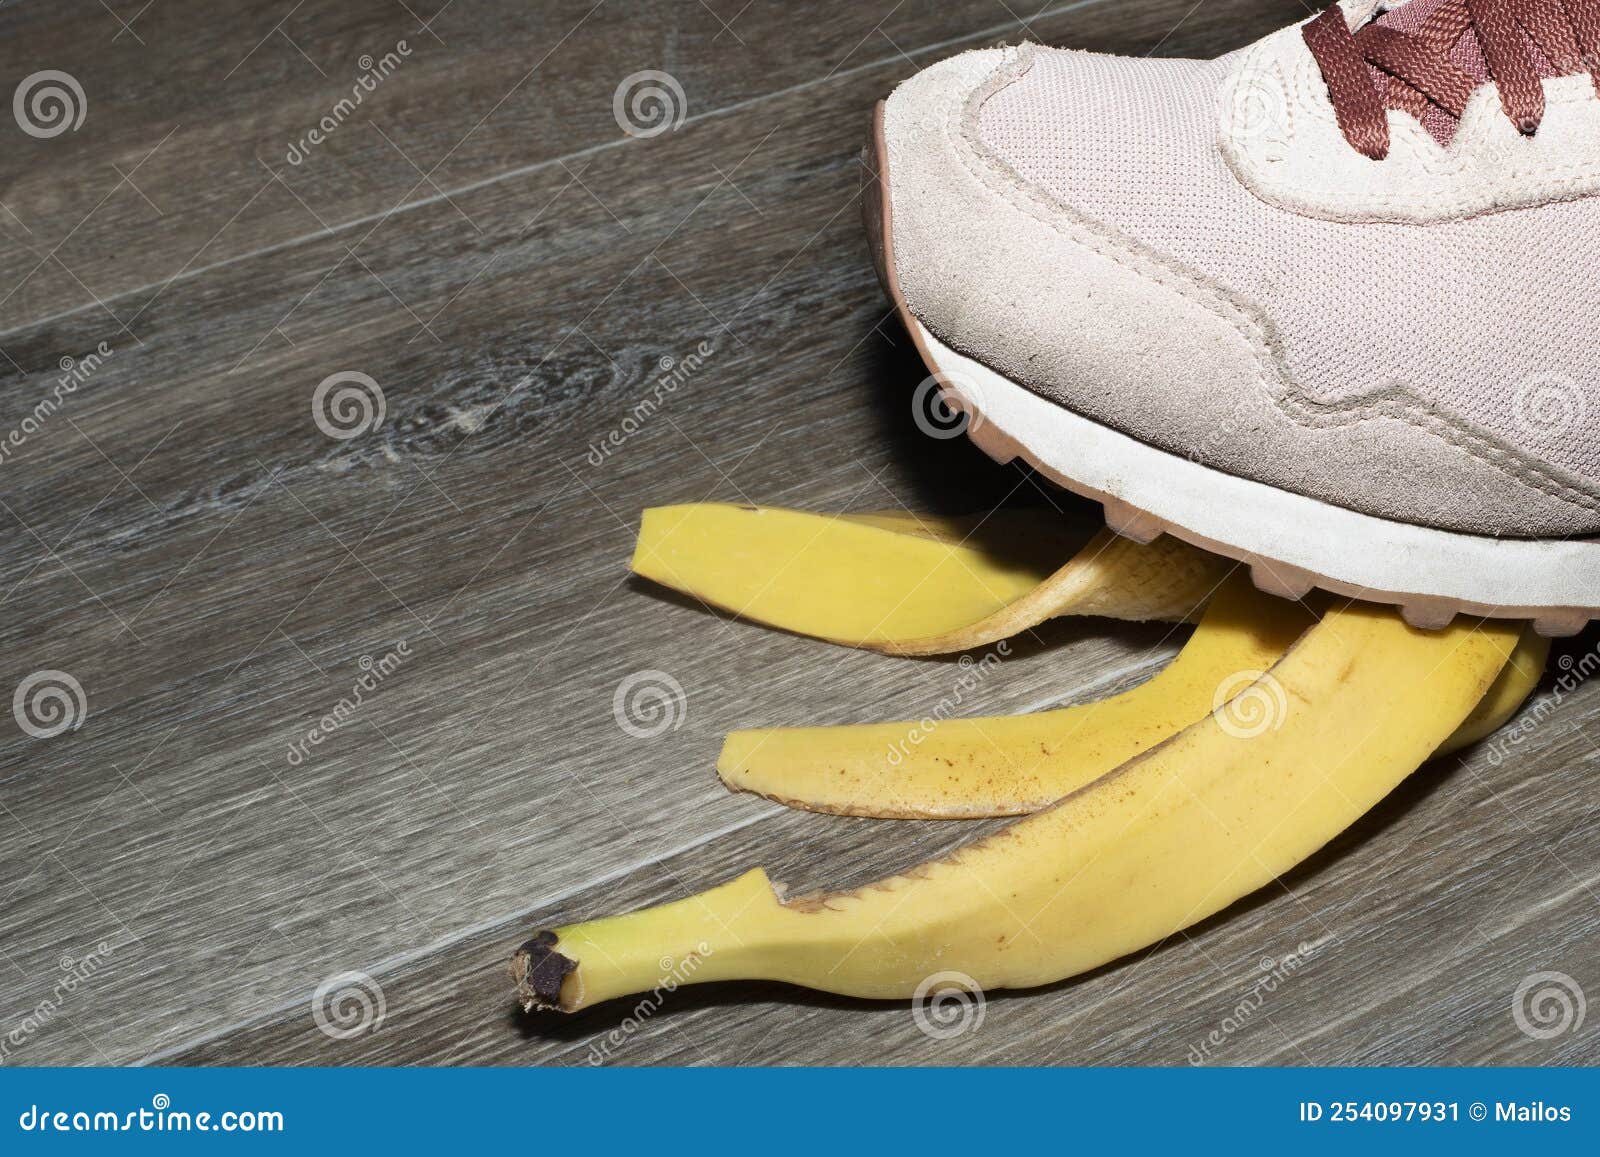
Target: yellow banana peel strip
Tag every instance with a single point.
(1169, 838)
(914, 584)
(971, 768)
(961, 768)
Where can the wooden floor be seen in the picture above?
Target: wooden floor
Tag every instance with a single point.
(481, 240)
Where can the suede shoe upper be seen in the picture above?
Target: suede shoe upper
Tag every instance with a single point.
(1083, 224)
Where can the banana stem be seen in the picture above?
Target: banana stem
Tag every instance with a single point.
(716, 935)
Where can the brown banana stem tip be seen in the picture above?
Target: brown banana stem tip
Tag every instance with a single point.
(538, 970)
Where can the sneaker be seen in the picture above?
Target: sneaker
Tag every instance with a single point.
(1325, 305)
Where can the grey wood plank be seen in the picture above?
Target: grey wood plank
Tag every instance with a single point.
(187, 542)
(1403, 942)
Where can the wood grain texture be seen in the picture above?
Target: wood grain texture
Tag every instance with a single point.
(212, 567)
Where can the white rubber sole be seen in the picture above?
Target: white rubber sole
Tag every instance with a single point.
(1291, 543)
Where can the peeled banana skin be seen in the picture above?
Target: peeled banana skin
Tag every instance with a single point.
(962, 768)
(1330, 711)
(1172, 836)
(972, 768)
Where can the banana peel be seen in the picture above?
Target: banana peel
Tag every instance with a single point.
(1191, 817)
(963, 768)
(913, 584)
(1170, 837)
(972, 768)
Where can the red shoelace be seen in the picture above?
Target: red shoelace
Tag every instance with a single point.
(1416, 69)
